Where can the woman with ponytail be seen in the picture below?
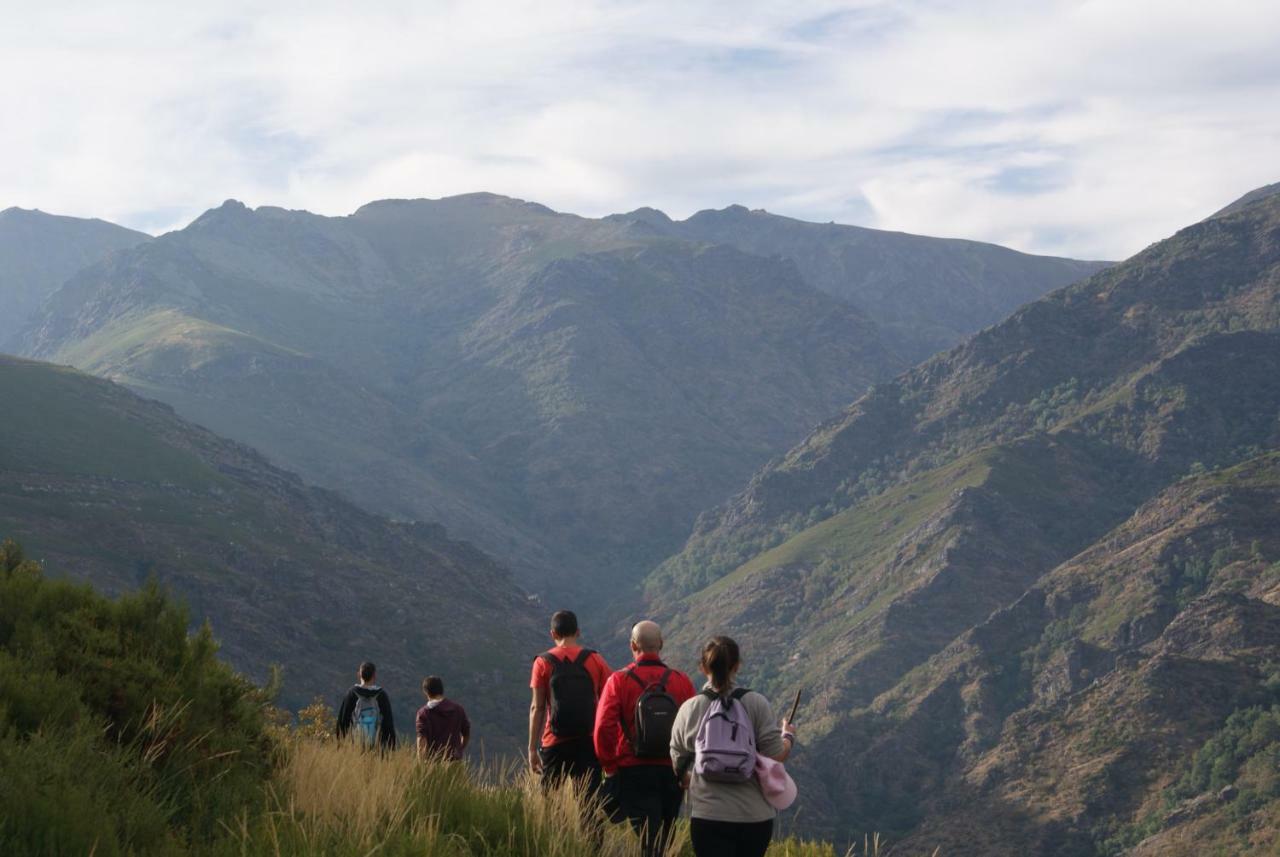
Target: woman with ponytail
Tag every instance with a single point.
(730, 815)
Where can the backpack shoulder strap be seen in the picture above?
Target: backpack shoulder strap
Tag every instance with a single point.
(581, 659)
(549, 658)
(739, 692)
(710, 693)
(632, 673)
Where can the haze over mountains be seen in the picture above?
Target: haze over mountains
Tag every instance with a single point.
(566, 392)
(39, 251)
(1017, 618)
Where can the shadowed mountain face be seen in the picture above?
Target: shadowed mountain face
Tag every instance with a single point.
(115, 489)
(1025, 460)
(39, 251)
(566, 392)
(926, 294)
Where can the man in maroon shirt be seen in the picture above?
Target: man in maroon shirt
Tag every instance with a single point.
(635, 755)
(442, 724)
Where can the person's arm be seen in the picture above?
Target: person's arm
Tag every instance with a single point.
(537, 713)
(422, 748)
(769, 738)
(344, 714)
(466, 730)
(388, 721)
(609, 726)
(682, 743)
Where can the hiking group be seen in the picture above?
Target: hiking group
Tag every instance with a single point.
(637, 740)
(442, 725)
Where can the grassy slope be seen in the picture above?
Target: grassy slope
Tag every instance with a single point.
(115, 489)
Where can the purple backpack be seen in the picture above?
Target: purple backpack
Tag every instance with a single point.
(725, 747)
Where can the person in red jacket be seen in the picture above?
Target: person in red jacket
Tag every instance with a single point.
(633, 736)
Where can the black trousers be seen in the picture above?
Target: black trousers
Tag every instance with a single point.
(730, 838)
(574, 758)
(649, 797)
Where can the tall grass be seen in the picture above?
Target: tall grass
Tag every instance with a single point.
(331, 798)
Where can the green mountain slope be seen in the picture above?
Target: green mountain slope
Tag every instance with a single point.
(39, 252)
(566, 392)
(927, 294)
(115, 489)
(851, 562)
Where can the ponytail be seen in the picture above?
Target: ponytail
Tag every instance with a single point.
(719, 660)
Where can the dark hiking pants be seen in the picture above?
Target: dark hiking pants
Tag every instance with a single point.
(649, 797)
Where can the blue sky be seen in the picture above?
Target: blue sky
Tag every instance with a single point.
(1087, 129)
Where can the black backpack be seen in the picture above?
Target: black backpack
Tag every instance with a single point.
(573, 695)
(654, 716)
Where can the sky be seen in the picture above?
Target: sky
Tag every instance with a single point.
(1086, 129)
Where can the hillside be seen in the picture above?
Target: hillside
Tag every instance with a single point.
(1073, 717)
(944, 496)
(107, 487)
(39, 252)
(565, 392)
(926, 294)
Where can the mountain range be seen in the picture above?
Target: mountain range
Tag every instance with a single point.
(565, 392)
(1005, 575)
(1031, 586)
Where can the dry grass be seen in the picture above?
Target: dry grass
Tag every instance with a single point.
(330, 798)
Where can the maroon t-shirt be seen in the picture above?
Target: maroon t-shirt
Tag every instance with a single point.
(443, 727)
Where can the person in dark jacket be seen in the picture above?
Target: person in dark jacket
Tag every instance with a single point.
(442, 724)
(366, 712)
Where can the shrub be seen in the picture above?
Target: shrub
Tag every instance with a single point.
(114, 705)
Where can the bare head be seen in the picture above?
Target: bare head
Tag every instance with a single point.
(646, 638)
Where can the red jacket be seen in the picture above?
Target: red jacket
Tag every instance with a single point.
(616, 712)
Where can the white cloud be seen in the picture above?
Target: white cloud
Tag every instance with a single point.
(1082, 128)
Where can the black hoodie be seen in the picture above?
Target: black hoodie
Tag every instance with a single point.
(387, 728)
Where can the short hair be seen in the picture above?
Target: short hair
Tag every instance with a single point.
(564, 624)
(433, 685)
(368, 671)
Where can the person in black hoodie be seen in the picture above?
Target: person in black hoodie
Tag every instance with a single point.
(442, 724)
(366, 712)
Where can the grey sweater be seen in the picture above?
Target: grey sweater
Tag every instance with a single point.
(743, 802)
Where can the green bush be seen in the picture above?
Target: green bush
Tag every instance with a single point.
(121, 728)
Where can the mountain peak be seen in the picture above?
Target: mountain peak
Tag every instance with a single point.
(728, 214)
(646, 215)
(230, 211)
(1248, 199)
(476, 199)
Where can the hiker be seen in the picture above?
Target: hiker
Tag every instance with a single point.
(566, 682)
(633, 739)
(442, 724)
(366, 712)
(715, 758)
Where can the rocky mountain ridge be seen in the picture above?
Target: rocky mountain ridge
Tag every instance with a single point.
(850, 564)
